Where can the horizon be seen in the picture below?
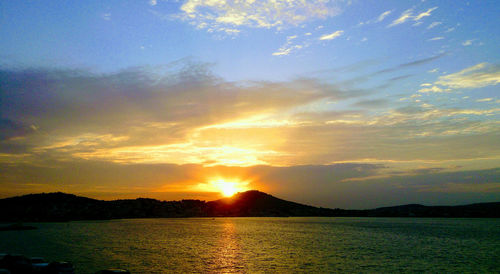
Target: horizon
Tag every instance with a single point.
(337, 104)
(242, 192)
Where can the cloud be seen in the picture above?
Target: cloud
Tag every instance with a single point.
(288, 47)
(411, 64)
(215, 14)
(424, 14)
(434, 89)
(408, 15)
(405, 16)
(434, 24)
(106, 16)
(153, 2)
(468, 42)
(155, 114)
(332, 35)
(484, 100)
(436, 38)
(12, 129)
(383, 15)
(477, 76)
(373, 103)
(379, 18)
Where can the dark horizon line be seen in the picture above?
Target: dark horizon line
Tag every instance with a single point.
(251, 190)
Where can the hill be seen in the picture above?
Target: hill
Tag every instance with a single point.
(66, 207)
(254, 203)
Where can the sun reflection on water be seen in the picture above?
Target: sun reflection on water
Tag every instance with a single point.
(228, 255)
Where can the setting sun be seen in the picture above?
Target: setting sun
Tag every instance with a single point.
(228, 188)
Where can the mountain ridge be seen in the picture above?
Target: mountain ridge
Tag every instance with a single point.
(58, 206)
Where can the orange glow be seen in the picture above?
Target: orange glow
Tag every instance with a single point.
(228, 188)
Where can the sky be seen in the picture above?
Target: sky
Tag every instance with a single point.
(341, 104)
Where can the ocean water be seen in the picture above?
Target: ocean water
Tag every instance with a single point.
(266, 245)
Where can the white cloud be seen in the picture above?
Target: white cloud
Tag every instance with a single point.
(153, 2)
(283, 51)
(382, 16)
(106, 16)
(436, 38)
(468, 42)
(379, 19)
(434, 24)
(477, 76)
(434, 89)
(288, 47)
(332, 35)
(484, 100)
(408, 15)
(424, 14)
(405, 16)
(258, 14)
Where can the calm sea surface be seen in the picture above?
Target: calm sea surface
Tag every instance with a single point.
(266, 244)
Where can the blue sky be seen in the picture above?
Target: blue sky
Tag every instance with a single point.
(401, 90)
(113, 35)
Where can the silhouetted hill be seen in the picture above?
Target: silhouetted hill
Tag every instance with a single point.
(485, 210)
(256, 203)
(66, 207)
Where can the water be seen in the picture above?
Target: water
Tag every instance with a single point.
(266, 244)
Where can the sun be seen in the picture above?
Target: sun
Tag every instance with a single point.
(228, 188)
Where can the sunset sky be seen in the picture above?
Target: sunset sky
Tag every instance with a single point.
(350, 104)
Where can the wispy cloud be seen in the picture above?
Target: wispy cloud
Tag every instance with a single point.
(477, 76)
(383, 15)
(215, 14)
(332, 35)
(106, 16)
(424, 14)
(485, 100)
(288, 47)
(434, 24)
(468, 42)
(378, 19)
(407, 15)
(436, 38)
(434, 89)
(411, 64)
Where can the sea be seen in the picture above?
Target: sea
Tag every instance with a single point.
(266, 245)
